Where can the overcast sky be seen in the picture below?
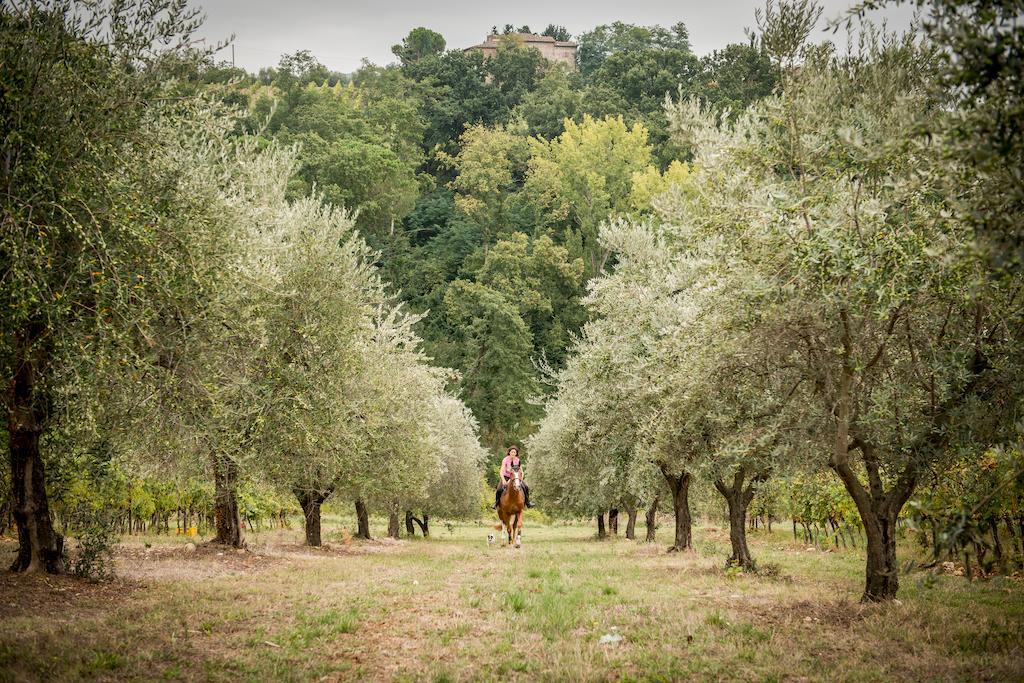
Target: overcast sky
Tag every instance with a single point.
(341, 33)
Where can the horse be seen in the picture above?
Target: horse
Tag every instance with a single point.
(510, 508)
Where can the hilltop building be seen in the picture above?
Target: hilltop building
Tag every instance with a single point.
(553, 50)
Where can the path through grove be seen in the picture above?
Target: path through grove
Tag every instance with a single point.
(452, 608)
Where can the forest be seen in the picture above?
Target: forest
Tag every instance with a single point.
(766, 300)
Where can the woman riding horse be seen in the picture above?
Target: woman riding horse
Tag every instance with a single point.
(509, 464)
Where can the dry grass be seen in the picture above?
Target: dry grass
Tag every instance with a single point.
(452, 608)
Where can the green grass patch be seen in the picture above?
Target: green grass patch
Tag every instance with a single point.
(105, 661)
(311, 627)
(515, 601)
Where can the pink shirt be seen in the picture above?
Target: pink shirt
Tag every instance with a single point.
(507, 464)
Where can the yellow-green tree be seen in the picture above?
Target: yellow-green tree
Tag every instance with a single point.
(584, 177)
(650, 182)
(490, 166)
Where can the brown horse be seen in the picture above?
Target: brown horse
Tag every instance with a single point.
(510, 508)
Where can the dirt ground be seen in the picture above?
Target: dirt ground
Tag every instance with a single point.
(563, 607)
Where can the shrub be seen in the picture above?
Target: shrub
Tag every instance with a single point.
(96, 534)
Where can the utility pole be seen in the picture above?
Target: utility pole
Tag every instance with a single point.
(232, 55)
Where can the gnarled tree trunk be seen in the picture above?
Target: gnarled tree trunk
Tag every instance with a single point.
(680, 487)
(424, 524)
(601, 533)
(311, 502)
(882, 571)
(652, 519)
(410, 530)
(40, 547)
(739, 499)
(613, 521)
(227, 521)
(631, 522)
(362, 520)
(878, 508)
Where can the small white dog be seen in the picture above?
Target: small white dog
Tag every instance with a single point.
(490, 539)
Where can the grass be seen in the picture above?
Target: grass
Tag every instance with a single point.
(453, 609)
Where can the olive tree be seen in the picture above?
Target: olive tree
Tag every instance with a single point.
(826, 201)
(602, 400)
(88, 225)
(318, 298)
(457, 488)
(718, 407)
(398, 458)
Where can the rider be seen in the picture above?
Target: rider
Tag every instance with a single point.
(508, 465)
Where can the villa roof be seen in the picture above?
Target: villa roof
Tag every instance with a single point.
(527, 38)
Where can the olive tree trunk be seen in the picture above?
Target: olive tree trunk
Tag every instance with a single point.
(878, 508)
(311, 501)
(410, 530)
(680, 487)
(651, 520)
(227, 522)
(601, 533)
(881, 571)
(738, 498)
(40, 547)
(393, 523)
(423, 524)
(613, 522)
(362, 520)
(631, 522)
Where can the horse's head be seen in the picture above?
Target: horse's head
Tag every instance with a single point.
(517, 478)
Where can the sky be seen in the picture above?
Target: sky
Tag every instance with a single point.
(341, 33)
